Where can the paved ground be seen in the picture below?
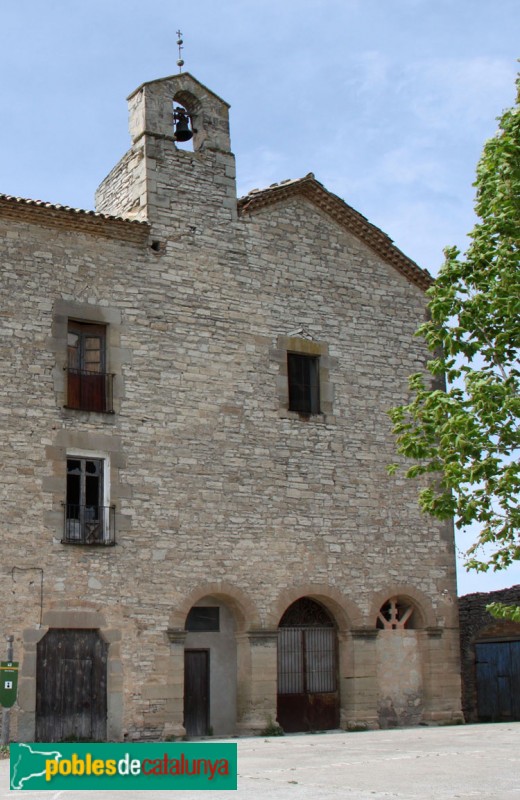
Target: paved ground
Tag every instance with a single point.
(464, 763)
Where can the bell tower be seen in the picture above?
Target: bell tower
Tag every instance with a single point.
(156, 177)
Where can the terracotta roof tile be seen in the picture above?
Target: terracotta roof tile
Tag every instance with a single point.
(59, 207)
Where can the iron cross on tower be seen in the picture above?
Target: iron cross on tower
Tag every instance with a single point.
(180, 62)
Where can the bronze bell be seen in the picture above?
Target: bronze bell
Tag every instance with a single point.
(182, 127)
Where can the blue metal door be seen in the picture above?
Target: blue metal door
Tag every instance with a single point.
(498, 681)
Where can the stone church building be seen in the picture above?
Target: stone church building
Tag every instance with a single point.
(199, 535)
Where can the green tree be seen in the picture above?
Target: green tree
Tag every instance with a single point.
(466, 437)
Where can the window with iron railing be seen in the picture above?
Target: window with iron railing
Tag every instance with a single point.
(89, 525)
(87, 518)
(89, 385)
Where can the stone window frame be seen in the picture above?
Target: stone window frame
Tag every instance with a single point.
(66, 311)
(308, 347)
(90, 376)
(87, 444)
(108, 526)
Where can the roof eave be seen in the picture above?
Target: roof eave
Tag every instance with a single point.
(39, 211)
(342, 213)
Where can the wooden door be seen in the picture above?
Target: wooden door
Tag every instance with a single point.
(196, 692)
(71, 697)
(498, 681)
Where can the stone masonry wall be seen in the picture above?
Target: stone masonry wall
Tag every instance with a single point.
(218, 489)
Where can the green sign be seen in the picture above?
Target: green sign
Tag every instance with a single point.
(153, 767)
(8, 683)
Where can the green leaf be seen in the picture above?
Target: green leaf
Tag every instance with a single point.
(467, 435)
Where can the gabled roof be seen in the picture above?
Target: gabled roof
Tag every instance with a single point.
(73, 218)
(180, 77)
(342, 213)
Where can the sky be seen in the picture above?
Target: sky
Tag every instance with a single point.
(387, 102)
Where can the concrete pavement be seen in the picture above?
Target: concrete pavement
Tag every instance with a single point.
(470, 762)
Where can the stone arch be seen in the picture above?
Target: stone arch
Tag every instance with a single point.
(204, 113)
(326, 706)
(191, 111)
(345, 612)
(213, 658)
(402, 656)
(243, 609)
(188, 100)
(308, 674)
(424, 612)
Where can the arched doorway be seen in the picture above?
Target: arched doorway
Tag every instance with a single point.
(308, 696)
(210, 669)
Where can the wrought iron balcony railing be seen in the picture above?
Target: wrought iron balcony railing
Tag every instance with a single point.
(89, 391)
(92, 525)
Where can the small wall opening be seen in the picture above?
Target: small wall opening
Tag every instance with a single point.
(398, 613)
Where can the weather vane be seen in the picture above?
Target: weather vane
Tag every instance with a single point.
(180, 62)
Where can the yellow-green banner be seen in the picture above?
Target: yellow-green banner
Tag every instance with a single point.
(153, 767)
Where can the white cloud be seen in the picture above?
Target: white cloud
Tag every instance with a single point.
(453, 92)
(409, 165)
